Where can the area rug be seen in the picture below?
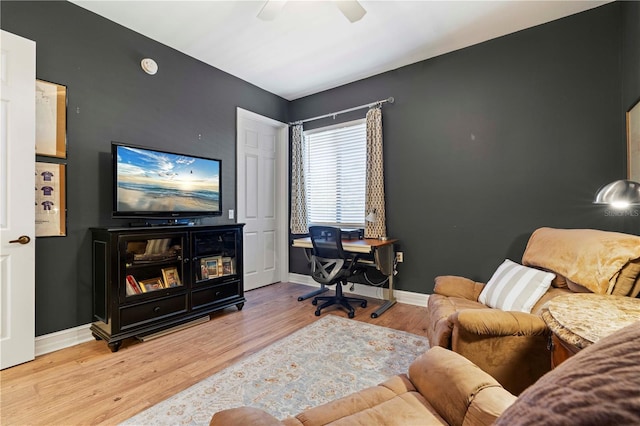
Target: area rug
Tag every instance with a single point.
(328, 359)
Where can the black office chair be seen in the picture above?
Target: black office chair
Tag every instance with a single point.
(330, 265)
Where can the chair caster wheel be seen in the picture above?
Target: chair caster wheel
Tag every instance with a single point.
(351, 314)
(300, 299)
(314, 302)
(363, 304)
(374, 315)
(318, 313)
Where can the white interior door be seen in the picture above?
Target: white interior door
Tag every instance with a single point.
(17, 199)
(262, 175)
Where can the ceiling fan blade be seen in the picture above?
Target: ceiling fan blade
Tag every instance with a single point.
(271, 9)
(351, 9)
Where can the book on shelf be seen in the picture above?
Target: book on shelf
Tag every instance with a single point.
(132, 286)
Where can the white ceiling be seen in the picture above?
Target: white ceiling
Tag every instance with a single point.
(311, 46)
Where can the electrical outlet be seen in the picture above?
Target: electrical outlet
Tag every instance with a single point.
(400, 257)
(231, 214)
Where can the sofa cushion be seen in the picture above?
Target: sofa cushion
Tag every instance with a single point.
(548, 296)
(514, 287)
(394, 402)
(559, 281)
(628, 281)
(455, 286)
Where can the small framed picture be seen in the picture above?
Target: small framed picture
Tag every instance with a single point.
(171, 277)
(227, 266)
(204, 272)
(152, 284)
(212, 265)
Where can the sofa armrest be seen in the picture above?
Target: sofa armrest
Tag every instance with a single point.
(242, 416)
(458, 389)
(510, 346)
(454, 286)
(494, 322)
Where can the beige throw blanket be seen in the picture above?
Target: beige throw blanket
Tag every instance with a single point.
(591, 258)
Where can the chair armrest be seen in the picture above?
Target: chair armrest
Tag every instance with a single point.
(451, 285)
(494, 322)
(457, 388)
(243, 416)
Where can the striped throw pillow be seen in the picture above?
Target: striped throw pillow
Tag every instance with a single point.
(514, 287)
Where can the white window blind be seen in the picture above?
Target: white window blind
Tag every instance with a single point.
(335, 174)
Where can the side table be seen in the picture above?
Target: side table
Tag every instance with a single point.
(579, 320)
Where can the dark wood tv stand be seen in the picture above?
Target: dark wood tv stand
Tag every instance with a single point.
(153, 278)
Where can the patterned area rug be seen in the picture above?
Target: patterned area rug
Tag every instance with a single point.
(328, 359)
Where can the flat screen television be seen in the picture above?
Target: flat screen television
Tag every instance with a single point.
(149, 183)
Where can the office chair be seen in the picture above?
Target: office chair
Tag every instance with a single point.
(330, 265)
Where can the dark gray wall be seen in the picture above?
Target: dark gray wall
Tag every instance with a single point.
(111, 99)
(482, 145)
(486, 144)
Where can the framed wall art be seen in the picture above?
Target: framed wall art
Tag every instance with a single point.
(51, 119)
(633, 143)
(51, 200)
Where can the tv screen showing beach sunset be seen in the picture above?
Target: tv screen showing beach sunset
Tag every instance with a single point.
(161, 182)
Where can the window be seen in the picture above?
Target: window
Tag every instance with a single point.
(335, 174)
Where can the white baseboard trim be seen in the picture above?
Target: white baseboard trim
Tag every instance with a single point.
(408, 297)
(63, 339)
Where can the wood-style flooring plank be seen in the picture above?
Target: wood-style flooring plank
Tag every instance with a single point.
(88, 384)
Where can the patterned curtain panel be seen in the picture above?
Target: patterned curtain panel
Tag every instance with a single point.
(375, 176)
(299, 224)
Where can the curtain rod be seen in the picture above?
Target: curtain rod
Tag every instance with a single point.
(333, 114)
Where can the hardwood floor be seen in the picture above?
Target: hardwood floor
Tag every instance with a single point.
(87, 384)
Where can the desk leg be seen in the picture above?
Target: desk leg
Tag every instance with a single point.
(385, 258)
(321, 290)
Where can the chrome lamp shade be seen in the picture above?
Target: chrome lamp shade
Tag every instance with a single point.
(619, 194)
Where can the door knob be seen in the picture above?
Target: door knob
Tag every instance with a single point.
(22, 240)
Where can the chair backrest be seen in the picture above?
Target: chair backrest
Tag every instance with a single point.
(327, 242)
(328, 260)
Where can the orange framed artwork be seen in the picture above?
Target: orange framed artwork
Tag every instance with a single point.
(51, 119)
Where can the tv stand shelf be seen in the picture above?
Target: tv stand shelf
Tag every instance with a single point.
(150, 279)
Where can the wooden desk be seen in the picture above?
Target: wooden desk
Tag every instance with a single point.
(384, 256)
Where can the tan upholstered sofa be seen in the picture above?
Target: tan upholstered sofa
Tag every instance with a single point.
(512, 346)
(600, 385)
